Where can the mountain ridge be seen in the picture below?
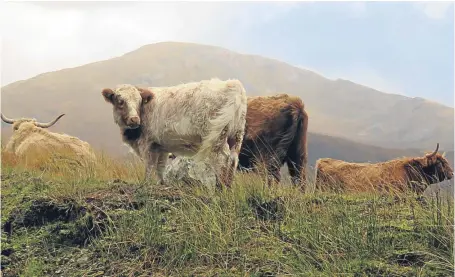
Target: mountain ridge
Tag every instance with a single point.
(338, 79)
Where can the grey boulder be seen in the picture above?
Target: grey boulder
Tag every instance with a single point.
(185, 170)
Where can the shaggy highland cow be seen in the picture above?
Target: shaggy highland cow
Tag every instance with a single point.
(397, 175)
(31, 138)
(276, 133)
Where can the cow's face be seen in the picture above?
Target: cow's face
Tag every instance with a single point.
(439, 167)
(434, 168)
(127, 101)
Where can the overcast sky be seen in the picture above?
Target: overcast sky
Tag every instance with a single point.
(397, 47)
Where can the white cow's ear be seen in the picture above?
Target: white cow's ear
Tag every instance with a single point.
(146, 95)
(108, 95)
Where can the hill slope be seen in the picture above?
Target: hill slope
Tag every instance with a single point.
(56, 223)
(336, 108)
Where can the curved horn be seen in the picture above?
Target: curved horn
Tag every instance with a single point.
(7, 120)
(435, 151)
(49, 124)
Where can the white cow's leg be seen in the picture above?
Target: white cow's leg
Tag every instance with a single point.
(217, 157)
(151, 159)
(162, 159)
(222, 166)
(232, 150)
(235, 145)
(229, 169)
(220, 154)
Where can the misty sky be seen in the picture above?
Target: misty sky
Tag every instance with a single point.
(397, 47)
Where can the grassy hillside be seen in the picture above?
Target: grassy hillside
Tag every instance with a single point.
(337, 108)
(62, 220)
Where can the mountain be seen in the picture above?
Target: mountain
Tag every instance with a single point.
(341, 112)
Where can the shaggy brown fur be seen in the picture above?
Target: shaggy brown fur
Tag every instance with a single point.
(396, 175)
(275, 133)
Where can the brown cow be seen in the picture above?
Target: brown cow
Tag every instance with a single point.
(275, 133)
(396, 175)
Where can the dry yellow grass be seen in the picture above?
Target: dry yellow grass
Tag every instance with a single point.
(64, 165)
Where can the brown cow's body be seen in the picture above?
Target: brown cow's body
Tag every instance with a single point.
(275, 133)
(396, 175)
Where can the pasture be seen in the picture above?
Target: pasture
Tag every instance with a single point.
(64, 218)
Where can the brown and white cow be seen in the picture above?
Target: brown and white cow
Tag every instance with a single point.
(31, 138)
(202, 120)
(396, 175)
(276, 133)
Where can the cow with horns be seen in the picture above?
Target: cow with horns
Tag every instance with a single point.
(398, 175)
(31, 138)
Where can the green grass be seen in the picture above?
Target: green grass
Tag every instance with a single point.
(67, 222)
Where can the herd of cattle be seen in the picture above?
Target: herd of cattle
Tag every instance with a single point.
(215, 121)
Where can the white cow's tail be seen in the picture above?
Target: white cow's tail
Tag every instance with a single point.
(227, 120)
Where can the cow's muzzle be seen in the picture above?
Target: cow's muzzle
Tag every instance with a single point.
(133, 122)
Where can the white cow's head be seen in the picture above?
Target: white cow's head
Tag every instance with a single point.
(126, 101)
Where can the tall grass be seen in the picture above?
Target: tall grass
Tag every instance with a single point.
(72, 175)
(248, 230)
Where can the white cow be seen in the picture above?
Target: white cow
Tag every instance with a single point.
(202, 120)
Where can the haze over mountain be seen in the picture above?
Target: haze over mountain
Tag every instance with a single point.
(343, 115)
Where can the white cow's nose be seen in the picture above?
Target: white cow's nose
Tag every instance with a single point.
(133, 121)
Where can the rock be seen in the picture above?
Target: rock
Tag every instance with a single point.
(445, 189)
(183, 169)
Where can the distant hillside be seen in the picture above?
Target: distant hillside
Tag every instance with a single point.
(336, 108)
